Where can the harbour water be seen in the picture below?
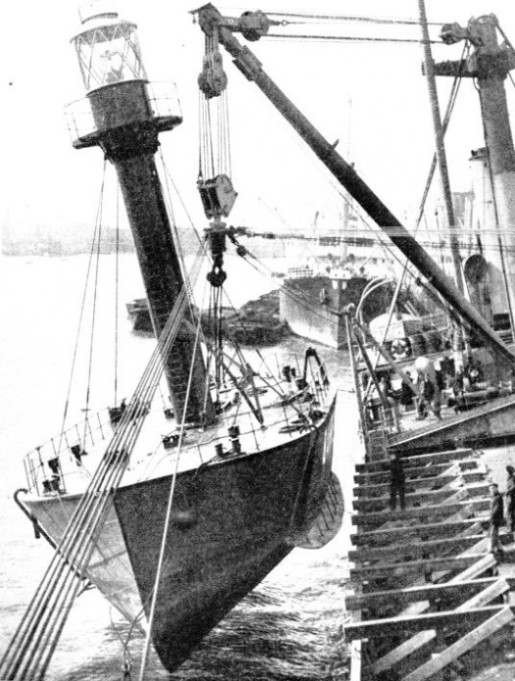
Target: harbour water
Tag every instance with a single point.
(288, 628)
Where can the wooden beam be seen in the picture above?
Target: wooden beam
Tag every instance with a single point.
(355, 660)
(450, 455)
(429, 497)
(421, 639)
(376, 519)
(435, 482)
(392, 626)
(419, 472)
(419, 567)
(429, 592)
(414, 549)
(487, 562)
(466, 643)
(401, 652)
(420, 532)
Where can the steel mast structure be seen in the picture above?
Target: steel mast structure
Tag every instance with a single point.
(123, 116)
(489, 64)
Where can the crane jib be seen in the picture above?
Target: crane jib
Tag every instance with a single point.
(211, 20)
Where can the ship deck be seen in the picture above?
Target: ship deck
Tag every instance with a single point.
(160, 449)
(428, 599)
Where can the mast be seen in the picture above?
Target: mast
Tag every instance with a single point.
(123, 117)
(440, 146)
(255, 25)
(489, 64)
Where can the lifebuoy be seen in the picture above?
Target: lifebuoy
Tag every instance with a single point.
(400, 349)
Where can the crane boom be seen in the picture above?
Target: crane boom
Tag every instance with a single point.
(215, 25)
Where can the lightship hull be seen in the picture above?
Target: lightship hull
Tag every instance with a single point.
(232, 522)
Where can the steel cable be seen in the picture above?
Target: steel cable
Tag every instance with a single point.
(90, 545)
(168, 515)
(79, 539)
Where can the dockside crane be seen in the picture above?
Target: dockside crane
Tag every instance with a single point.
(254, 25)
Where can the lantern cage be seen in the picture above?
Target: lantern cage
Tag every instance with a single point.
(108, 51)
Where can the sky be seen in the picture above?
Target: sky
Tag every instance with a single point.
(370, 96)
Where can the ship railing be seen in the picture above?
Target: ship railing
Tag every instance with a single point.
(319, 383)
(224, 444)
(299, 272)
(164, 100)
(163, 104)
(51, 465)
(430, 340)
(79, 120)
(382, 419)
(437, 321)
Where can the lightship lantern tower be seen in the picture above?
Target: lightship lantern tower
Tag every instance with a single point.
(122, 115)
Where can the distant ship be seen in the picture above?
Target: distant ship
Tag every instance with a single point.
(347, 268)
(313, 304)
(257, 322)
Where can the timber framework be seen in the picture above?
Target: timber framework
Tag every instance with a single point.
(428, 594)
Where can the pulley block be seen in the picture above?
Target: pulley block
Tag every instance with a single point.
(216, 237)
(254, 25)
(212, 80)
(453, 33)
(217, 195)
(216, 277)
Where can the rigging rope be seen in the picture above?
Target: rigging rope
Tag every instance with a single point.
(175, 229)
(348, 38)
(449, 109)
(34, 641)
(336, 17)
(214, 143)
(445, 124)
(93, 324)
(214, 321)
(435, 239)
(117, 298)
(168, 515)
(82, 307)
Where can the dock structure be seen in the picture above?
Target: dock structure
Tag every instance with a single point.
(491, 422)
(426, 590)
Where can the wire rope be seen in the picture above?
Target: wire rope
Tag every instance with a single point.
(349, 38)
(82, 309)
(344, 18)
(117, 299)
(400, 280)
(93, 325)
(55, 596)
(168, 515)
